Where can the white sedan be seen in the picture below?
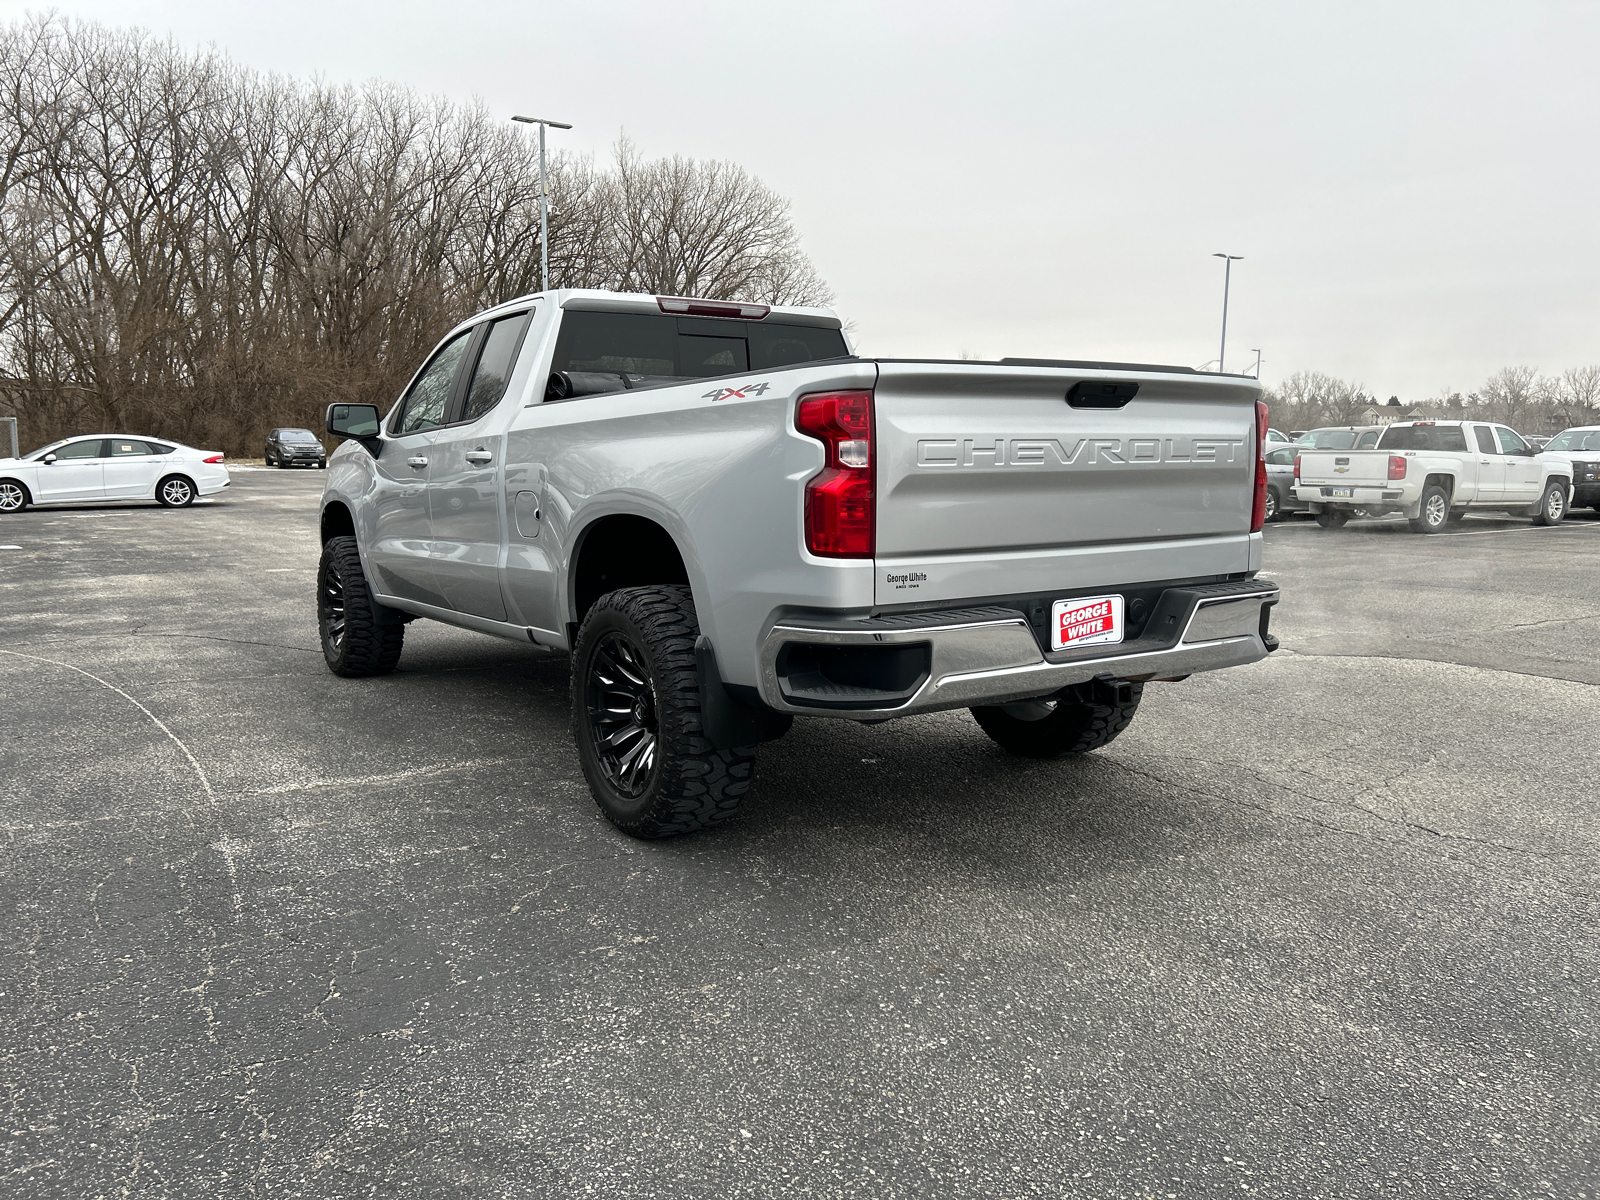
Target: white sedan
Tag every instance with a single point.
(105, 467)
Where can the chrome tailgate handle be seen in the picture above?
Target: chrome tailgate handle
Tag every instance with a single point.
(479, 456)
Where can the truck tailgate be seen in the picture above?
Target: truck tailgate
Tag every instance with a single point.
(990, 484)
(1365, 468)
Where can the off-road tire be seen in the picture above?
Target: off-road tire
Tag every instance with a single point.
(1332, 518)
(1077, 724)
(1552, 508)
(1435, 510)
(689, 784)
(14, 496)
(1274, 505)
(362, 645)
(176, 491)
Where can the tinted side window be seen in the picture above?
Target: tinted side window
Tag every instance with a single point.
(89, 449)
(122, 448)
(1368, 440)
(1510, 443)
(1280, 458)
(493, 372)
(158, 448)
(1485, 439)
(424, 405)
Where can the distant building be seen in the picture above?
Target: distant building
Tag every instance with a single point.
(1388, 414)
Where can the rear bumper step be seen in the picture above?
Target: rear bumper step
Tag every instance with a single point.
(925, 662)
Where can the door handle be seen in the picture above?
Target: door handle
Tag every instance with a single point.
(416, 460)
(479, 456)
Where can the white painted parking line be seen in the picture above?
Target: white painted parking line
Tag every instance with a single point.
(10, 547)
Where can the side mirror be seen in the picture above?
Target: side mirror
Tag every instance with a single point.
(48, 458)
(352, 420)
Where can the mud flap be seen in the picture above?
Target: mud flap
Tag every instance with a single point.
(726, 721)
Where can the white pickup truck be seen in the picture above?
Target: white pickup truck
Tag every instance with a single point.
(1434, 472)
(730, 521)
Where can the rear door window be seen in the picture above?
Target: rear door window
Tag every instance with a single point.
(124, 448)
(493, 369)
(1485, 439)
(1280, 458)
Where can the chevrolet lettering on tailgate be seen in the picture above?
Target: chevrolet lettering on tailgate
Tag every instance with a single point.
(1038, 452)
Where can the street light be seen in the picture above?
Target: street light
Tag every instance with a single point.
(1227, 273)
(544, 201)
(1256, 350)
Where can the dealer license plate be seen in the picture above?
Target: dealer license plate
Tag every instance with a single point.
(1339, 493)
(1092, 621)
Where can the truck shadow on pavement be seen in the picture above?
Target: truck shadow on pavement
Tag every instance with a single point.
(924, 797)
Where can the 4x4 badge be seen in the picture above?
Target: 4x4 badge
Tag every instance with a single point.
(738, 393)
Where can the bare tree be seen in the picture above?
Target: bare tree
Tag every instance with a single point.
(194, 250)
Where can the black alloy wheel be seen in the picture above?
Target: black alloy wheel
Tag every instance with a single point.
(1073, 721)
(360, 637)
(637, 721)
(623, 725)
(330, 607)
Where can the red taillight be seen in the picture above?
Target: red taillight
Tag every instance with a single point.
(215, 458)
(1297, 468)
(1258, 516)
(839, 499)
(1397, 467)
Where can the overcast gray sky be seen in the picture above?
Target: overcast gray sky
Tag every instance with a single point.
(1413, 186)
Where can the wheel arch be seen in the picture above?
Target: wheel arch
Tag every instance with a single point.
(1440, 479)
(27, 491)
(624, 549)
(337, 521)
(183, 475)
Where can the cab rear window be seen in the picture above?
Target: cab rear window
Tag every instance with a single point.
(1423, 437)
(666, 347)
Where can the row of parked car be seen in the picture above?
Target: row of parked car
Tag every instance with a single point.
(1432, 472)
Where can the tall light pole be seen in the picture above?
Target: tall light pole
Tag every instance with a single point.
(1256, 350)
(1227, 274)
(544, 201)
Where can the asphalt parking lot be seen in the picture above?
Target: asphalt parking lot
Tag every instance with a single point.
(1324, 926)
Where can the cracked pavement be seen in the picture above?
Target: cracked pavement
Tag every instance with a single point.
(1323, 926)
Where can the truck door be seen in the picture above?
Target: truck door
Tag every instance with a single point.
(464, 481)
(1491, 466)
(399, 547)
(1523, 473)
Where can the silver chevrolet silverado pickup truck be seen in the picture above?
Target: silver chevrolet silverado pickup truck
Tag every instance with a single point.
(730, 520)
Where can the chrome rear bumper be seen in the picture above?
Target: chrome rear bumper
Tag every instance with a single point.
(991, 655)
